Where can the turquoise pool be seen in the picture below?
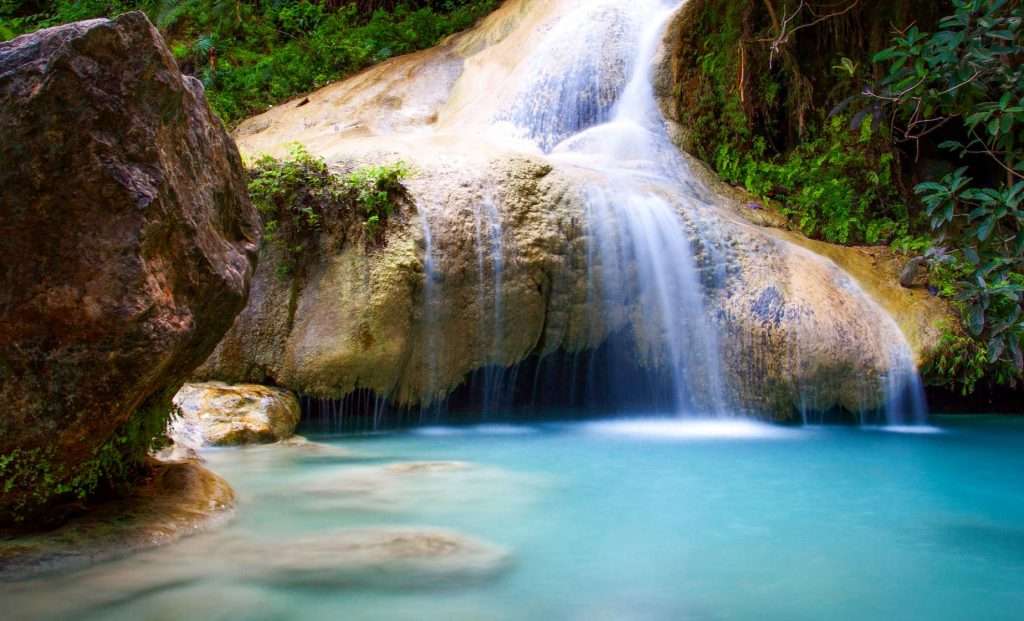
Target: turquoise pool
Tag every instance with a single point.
(634, 519)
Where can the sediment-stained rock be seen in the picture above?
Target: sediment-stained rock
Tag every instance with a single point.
(219, 414)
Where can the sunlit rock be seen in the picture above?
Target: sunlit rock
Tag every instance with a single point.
(220, 414)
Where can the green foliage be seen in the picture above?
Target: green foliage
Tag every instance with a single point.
(38, 476)
(961, 358)
(375, 188)
(292, 196)
(837, 179)
(966, 79)
(837, 185)
(252, 55)
(295, 194)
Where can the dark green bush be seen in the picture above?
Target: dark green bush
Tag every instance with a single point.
(294, 196)
(965, 81)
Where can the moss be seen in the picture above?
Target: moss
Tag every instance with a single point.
(38, 477)
(296, 194)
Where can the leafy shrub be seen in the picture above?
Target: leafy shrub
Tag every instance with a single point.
(836, 186)
(294, 195)
(966, 80)
(375, 188)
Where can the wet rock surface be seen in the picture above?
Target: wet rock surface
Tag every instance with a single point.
(128, 241)
(175, 500)
(493, 260)
(219, 414)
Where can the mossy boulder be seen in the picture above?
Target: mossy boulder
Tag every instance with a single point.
(128, 246)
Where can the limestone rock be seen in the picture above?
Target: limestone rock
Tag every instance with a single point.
(492, 260)
(219, 414)
(128, 239)
(175, 500)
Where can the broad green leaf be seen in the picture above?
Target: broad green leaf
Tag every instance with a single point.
(976, 319)
(995, 348)
(985, 228)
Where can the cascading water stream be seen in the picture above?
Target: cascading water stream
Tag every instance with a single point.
(490, 267)
(638, 243)
(587, 102)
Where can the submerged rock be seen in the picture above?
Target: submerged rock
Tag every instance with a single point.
(175, 500)
(128, 245)
(427, 467)
(220, 414)
(417, 487)
(392, 558)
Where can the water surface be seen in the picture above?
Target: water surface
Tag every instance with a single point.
(635, 519)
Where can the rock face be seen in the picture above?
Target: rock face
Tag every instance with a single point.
(224, 415)
(496, 257)
(176, 500)
(878, 270)
(128, 242)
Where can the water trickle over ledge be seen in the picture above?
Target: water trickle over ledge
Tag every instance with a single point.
(557, 248)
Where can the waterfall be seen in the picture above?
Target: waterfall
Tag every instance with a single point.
(638, 244)
(490, 252)
(589, 103)
(554, 102)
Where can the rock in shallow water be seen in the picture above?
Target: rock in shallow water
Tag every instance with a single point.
(219, 414)
(128, 244)
(393, 558)
(176, 500)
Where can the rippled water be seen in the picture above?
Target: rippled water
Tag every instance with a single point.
(635, 519)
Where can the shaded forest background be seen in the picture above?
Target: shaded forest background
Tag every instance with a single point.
(252, 54)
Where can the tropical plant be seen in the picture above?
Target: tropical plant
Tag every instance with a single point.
(965, 82)
(295, 194)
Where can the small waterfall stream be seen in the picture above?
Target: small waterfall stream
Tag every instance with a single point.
(589, 103)
(569, 254)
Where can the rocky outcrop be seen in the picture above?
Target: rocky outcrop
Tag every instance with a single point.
(493, 259)
(175, 500)
(219, 414)
(878, 269)
(128, 247)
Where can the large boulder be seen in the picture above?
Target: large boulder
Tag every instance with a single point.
(128, 247)
(220, 414)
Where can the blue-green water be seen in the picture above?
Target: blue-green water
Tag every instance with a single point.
(611, 520)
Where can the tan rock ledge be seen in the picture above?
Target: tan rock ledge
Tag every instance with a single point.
(176, 500)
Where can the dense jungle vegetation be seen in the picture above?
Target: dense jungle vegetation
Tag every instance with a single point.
(878, 122)
(252, 54)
